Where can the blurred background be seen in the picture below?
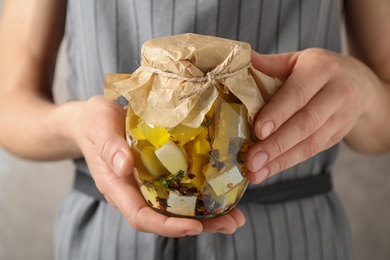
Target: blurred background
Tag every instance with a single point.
(31, 192)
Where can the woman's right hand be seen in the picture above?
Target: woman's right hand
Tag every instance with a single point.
(101, 137)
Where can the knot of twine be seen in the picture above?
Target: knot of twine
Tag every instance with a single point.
(210, 79)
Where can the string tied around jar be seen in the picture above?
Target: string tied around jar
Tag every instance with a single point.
(210, 79)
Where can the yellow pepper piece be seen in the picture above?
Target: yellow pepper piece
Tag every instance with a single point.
(131, 126)
(184, 134)
(151, 162)
(198, 146)
(156, 135)
(195, 177)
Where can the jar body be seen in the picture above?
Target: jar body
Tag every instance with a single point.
(193, 172)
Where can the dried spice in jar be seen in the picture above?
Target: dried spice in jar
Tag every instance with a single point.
(192, 103)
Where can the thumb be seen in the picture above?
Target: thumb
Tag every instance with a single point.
(108, 135)
(275, 65)
(118, 157)
(115, 150)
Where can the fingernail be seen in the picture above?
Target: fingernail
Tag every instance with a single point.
(261, 175)
(224, 231)
(267, 129)
(191, 233)
(119, 161)
(258, 161)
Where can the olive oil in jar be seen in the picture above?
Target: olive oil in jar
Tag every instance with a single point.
(192, 172)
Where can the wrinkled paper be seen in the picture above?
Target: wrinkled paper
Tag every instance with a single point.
(180, 77)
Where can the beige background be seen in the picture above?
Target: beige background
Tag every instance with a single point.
(30, 193)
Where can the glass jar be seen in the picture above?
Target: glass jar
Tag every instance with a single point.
(193, 172)
(192, 104)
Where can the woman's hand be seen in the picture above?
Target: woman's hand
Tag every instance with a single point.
(101, 138)
(323, 96)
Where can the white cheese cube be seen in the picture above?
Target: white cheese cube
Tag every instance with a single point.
(229, 198)
(222, 145)
(225, 200)
(232, 122)
(181, 205)
(224, 181)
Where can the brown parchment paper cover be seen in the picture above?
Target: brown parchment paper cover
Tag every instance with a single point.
(179, 78)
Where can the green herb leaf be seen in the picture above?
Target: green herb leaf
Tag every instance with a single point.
(166, 183)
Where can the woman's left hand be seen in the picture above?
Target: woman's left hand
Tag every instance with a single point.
(322, 97)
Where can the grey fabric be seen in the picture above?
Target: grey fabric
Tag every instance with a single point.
(106, 36)
(312, 228)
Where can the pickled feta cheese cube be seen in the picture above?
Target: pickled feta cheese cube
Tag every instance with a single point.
(223, 201)
(222, 145)
(230, 197)
(224, 180)
(232, 122)
(173, 157)
(156, 135)
(180, 204)
(238, 147)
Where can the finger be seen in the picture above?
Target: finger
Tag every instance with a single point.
(299, 127)
(308, 76)
(116, 153)
(275, 65)
(226, 224)
(123, 193)
(110, 201)
(142, 217)
(111, 144)
(323, 139)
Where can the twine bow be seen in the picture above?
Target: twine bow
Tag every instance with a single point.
(210, 79)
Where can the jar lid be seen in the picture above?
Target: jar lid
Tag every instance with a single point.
(193, 55)
(180, 77)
